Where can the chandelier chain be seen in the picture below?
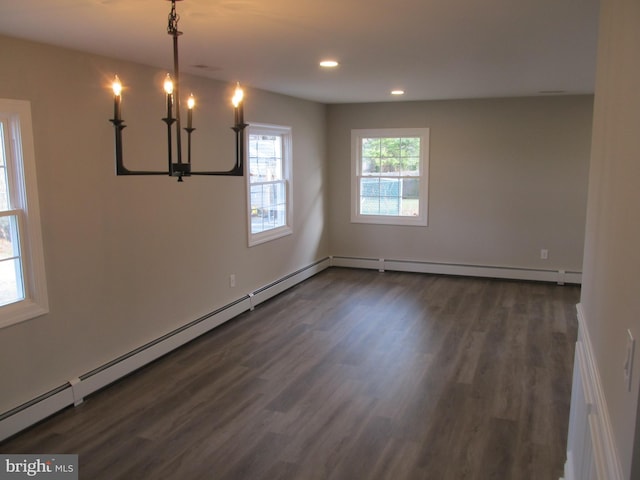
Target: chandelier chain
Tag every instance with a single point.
(172, 28)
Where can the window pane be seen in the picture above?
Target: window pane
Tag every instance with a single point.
(411, 166)
(11, 288)
(370, 156)
(390, 196)
(4, 198)
(9, 240)
(390, 148)
(370, 165)
(4, 190)
(410, 147)
(369, 196)
(268, 206)
(380, 196)
(392, 156)
(410, 197)
(410, 155)
(371, 147)
(265, 158)
(3, 158)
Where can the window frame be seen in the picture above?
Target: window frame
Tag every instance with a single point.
(24, 203)
(285, 133)
(356, 165)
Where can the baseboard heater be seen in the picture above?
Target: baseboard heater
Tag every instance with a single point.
(73, 392)
(514, 273)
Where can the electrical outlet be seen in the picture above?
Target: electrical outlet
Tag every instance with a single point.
(544, 254)
(628, 363)
(232, 280)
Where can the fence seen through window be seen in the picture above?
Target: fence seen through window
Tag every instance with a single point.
(389, 181)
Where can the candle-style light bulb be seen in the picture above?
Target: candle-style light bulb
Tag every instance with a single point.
(117, 86)
(168, 84)
(191, 102)
(117, 97)
(237, 103)
(168, 88)
(237, 96)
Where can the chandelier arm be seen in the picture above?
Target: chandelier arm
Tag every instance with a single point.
(126, 172)
(120, 168)
(230, 173)
(238, 168)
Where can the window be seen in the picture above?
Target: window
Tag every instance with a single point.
(23, 293)
(389, 176)
(268, 182)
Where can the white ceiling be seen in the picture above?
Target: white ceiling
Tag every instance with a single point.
(433, 49)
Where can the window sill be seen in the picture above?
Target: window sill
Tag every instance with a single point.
(390, 220)
(20, 311)
(267, 236)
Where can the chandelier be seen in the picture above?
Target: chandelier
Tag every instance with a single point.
(177, 168)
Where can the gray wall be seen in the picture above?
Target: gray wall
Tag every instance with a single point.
(129, 259)
(611, 293)
(508, 177)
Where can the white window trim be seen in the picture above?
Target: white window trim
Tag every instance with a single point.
(22, 178)
(356, 137)
(287, 152)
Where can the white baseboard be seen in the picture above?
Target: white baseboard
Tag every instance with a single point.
(591, 449)
(34, 411)
(381, 264)
(76, 389)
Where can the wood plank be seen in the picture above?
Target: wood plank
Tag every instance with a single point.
(351, 374)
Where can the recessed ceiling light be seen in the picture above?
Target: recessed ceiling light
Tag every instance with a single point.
(329, 63)
(397, 92)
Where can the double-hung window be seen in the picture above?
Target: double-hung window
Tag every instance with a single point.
(23, 292)
(269, 182)
(389, 176)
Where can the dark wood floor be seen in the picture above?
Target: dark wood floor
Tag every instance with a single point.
(352, 375)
